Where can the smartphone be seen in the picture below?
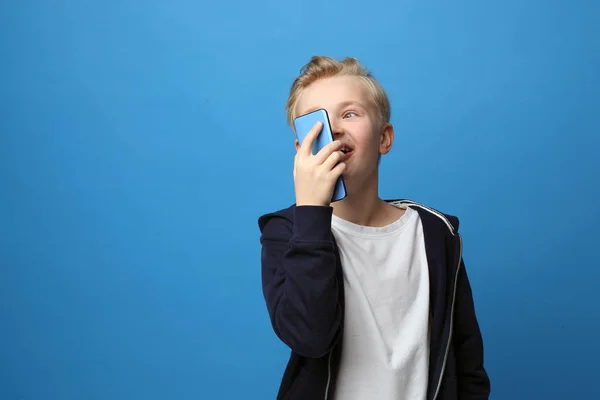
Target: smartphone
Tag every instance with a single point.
(303, 124)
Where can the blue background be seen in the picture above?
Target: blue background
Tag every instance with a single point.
(140, 142)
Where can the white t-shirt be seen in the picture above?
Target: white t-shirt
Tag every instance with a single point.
(385, 353)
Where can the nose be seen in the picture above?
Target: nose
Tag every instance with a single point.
(336, 129)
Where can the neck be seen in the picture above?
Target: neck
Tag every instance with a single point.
(362, 206)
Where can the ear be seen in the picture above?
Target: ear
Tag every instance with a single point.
(386, 139)
(297, 145)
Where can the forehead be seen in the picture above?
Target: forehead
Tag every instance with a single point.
(330, 92)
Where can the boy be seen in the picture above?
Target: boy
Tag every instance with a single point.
(371, 295)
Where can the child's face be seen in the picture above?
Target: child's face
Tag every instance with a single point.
(354, 121)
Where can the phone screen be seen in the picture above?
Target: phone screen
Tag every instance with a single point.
(303, 124)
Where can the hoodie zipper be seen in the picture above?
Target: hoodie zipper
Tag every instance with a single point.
(337, 249)
(439, 385)
(328, 374)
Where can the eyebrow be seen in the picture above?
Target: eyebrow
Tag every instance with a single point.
(343, 104)
(350, 103)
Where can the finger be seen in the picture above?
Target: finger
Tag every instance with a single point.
(332, 160)
(307, 143)
(338, 170)
(327, 151)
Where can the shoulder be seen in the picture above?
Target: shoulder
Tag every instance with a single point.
(305, 222)
(277, 223)
(432, 217)
(284, 215)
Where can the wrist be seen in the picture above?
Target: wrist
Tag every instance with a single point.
(310, 202)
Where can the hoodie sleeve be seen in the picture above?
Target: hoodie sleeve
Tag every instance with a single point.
(299, 282)
(473, 381)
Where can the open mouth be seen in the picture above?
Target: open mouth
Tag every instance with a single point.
(347, 151)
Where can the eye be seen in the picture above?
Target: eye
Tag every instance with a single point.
(349, 113)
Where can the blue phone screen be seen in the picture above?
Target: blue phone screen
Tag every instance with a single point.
(303, 124)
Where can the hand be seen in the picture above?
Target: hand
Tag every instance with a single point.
(315, 175)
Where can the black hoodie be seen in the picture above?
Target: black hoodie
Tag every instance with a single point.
(303, 287)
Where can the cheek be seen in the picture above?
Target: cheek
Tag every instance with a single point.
(370, 141)
(369, 148)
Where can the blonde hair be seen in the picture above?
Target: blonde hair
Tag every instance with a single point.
(320, 67)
